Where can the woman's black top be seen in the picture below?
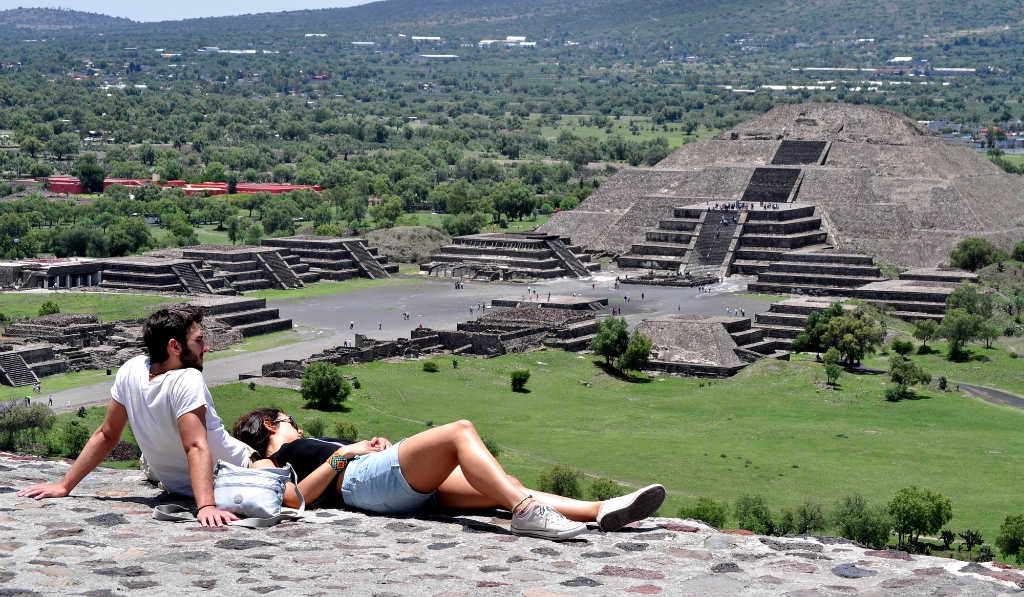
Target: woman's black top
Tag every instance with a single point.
(305, 456)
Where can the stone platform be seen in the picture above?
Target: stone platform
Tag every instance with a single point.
(104, 542)
(554, 302)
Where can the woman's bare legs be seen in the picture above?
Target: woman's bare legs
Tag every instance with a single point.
(456, 492)
(453, 460)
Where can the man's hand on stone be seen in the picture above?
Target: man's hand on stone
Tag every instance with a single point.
(212, 517)
(45, 490)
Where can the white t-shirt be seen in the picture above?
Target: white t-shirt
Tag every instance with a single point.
(153, 411)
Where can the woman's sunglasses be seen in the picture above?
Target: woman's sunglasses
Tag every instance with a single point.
(290, 420)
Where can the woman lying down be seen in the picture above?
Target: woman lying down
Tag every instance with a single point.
(448, 466)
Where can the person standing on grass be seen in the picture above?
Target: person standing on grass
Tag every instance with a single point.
(171, 412)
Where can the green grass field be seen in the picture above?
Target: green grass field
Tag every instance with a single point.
(108, 307)
(772, 429)
(264, 342)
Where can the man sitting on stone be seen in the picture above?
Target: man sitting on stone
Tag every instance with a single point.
(166, 400)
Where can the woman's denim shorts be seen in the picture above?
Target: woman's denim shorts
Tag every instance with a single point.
(374, 482)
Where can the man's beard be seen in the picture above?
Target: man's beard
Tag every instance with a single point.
(191, 360)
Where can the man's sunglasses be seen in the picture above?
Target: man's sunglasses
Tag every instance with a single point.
(290, 421)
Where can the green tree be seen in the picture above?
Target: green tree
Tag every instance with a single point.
(73, 438)
(561, 479)
(988, 332)
(63, 145)
(751, 510)
(905, 373)
(637, 354)
(854, 334)
(902, 347)
(959, 327)
(1018, 251)
(129, 235)
(814, 329)
(832, 359)
(1011, 537)
(48, 308)
(856, 520)
(31, 146)
(345, 429)
(925, 330)
(277, 219)
(388, 212)
(973, 254)
(323, 385)
(709, 510)
(967, 297)
(611, 340)
(90, 173)
(918, 510)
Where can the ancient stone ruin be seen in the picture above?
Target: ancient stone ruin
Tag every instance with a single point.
(62, 342)
(290, 262)
(566, 325)
(513, 256)
(706, 346)
(806, 197)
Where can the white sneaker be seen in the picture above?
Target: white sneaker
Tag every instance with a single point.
(545, 522)
(618, 512)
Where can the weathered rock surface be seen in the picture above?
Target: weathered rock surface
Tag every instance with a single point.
(105, 542)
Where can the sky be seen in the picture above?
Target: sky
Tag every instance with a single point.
(178, 9)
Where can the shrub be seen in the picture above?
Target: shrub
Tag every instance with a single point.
(915, 511)
(345, 429)
(355, 384)
(81, 413)
(905, 373)
(48, 308)
(948, 537)
(711, 511)
(602, 489)
(1011, 537)
(943, 382)
(519, 378)
(985, 554)
(971, 538)
(856, 520)
(492, 446)
(1018, 252)
(751, 510)
(561, 479)
(430, 366)
(315, 427)
(810, 516)
(975, 253)
(329, 230)
(902, 347)
(74, 436)
(894, 393)
(637, 354)
(323, 385)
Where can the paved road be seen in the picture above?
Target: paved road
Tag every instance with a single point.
(990, 395)
(435, 303)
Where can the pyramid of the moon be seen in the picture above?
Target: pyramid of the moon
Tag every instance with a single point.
(854, 179)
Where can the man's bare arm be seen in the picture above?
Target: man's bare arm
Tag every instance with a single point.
(99, 446)
(192, 427)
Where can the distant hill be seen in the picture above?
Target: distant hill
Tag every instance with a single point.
(49, 18)
(686, 21)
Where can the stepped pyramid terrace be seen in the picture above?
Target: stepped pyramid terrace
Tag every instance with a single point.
(807, 197)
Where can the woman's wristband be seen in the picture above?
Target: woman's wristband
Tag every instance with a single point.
(337, 461)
